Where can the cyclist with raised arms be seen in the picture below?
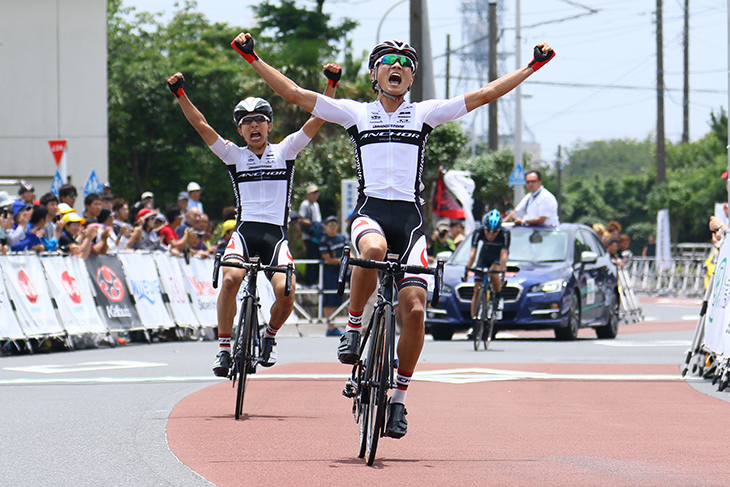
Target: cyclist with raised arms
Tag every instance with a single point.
(493, 256)
(262, 174)
(389, 136)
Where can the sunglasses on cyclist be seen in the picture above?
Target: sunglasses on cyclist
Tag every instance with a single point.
(390, 59)
(249, 119)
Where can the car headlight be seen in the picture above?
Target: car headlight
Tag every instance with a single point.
(554, 286)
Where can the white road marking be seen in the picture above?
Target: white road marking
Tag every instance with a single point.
(629, 344)
(448, 376)
(86, 367)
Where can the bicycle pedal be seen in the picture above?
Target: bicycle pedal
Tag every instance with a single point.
(350, 389)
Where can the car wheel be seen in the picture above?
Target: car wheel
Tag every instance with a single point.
(610, 329)
(442, 332)
(570, 332)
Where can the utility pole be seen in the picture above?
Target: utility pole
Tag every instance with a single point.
(493, 128)
(559, 167)
(685, 99)
(417, 42)
(448, 64)
(660, 148)
(519, 188)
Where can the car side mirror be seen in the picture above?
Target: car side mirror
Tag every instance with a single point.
(588, 257)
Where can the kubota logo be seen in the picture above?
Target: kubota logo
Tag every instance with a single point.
(27, 287)
(110, 283)
(71, 287)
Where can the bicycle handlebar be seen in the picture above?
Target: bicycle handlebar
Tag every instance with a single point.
(393, 267)
(255, 266)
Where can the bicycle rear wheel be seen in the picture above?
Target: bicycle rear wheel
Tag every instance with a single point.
(489, 323)
(247, 326)
(378, 384)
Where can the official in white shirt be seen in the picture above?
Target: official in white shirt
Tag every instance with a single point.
(539, 207)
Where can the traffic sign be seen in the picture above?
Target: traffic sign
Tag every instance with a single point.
(517, 176)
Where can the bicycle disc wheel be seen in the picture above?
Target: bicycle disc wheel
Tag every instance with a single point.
(244, 356)
(378, 385)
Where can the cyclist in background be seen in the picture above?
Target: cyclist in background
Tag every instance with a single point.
(389, 136)
(493, 256)
(262, 174)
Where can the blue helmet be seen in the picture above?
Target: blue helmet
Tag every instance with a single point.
(492, 221)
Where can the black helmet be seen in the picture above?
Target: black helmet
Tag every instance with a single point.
(252, 105)
(393, 47)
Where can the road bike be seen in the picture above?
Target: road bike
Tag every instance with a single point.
(373, 375)
(247, 342)
(486, 309)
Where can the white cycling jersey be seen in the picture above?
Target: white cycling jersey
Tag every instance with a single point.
(262, 185)
(389, 147)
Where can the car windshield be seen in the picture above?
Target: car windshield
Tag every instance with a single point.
(527, 245)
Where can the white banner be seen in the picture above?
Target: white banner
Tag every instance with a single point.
(199, 283)
(462, 186)
(26, 285)
(9, 326)
(663, 241)
(144, 284)
(69, 283)
(717, 327)
(172, 281)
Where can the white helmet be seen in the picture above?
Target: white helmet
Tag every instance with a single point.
(252, 105)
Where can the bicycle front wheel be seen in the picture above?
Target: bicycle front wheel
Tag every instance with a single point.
(480, 322)
(247, 326)
(378, 384)
(489, 323)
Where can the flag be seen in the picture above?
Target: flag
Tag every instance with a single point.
(443, 204)
(462, 186)
(56, 183)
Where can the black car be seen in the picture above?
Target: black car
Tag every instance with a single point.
(558, 278)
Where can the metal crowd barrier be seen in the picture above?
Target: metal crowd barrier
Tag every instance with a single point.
(682, 277)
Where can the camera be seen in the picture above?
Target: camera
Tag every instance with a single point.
(443, 233)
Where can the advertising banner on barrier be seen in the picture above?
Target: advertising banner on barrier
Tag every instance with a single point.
(144, 283)
(717, 327)
(70, 287)
(9, 326)
(26, 285)
(199, 283)
(172, 282)
(112, 294)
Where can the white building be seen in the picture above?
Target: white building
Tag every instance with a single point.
(53, 85)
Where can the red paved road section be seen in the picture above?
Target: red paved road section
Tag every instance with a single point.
(529, 432)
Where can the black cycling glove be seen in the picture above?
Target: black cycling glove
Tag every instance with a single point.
(246, 50)
(333, 77)
(177, 87)
(541, 58)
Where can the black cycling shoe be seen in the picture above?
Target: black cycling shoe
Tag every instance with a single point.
(268, 352)
(349, 350)
(222, 364)
(397, 426)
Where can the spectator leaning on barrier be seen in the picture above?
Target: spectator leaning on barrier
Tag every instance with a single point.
(143, 236)
(310, 221)
(92, 207)
(227, 226)
(32, 240)
(74, 239)
(330, 250)
(67, 194)
(182, 200)
(168, 233)
(26, 192)
(21, 217)
(50, 201)
(194, 196)
(191, 220)
(624, 241)
(440, 240)
(6, 220)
